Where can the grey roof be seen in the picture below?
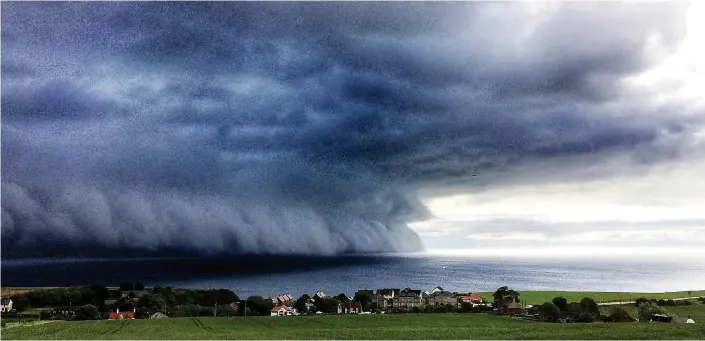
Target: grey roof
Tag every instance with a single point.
(158, 315)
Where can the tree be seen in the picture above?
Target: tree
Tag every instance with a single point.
(549, 311)
(21, 302)
(343, 298)
(87, 312)
(153, 302)
(125, 305)
(561, 302)
(226, 296)
(139, 286)
(504, 292)
(259, 305)
(328, 305)
(364, 298)
(588, 305)
(142, 313)
(300, 303)
(187, 310)
(126, 286)
(647, 309)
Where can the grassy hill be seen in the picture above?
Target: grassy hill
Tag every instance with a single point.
(421, 326)
(538, 297)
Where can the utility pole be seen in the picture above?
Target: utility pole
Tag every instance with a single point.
(215, 309)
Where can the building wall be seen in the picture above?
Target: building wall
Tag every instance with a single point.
(406, 302)
(435, 300)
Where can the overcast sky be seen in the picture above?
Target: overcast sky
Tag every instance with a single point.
(322, 128)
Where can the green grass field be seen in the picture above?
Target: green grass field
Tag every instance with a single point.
(538, 297)
(412, 326)
(422, 326)
(695, 311)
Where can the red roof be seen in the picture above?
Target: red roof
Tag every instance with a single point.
(285, 298)
(124, 314)
(472, 297)
(277, 307)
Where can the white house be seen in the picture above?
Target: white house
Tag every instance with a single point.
(350, 308)
(6, 305)
(282, 310)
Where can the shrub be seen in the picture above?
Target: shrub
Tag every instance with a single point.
(585, 317)
(87, 312)
(618, 314)
(482, 308)
(642, 300)
(466, 307)
(647, 309)
(3, 323)
(399, 311)
(441, 309)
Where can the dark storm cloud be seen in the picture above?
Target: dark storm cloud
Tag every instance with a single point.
(53, 100)
(302, 127)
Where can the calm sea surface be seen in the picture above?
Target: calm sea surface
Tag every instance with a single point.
(271, 276)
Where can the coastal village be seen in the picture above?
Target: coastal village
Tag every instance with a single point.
(387, 300)
(134, 301)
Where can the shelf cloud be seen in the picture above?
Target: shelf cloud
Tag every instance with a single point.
(311, 128)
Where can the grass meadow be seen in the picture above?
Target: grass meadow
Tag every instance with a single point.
(379, 327)
(370, 327)
(538, 297)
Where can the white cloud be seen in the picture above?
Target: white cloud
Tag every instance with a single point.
(660, 208)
